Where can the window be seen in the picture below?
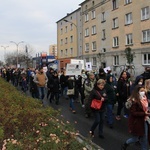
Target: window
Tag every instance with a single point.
(128, 1)
(61, 53)
(94, 61)
(93, 3)
(146, 59)
(115, 23)
(66, 52)
(94, 29)
(71, 26)
(146, 35)
(80, 53)
(61, 42)
(128, 18)
(94, 45)
(66, 29)
(71, 39)
(87, 32)
(61, 31)
(104, 50)
(86, 47)
(66, 40)
(71, 51)
(114, 4)
(93, 14)
(103, 16)
(103, 34)
(87, 60)
(145, 13)
(115, 41)
(86, 7)
(116, 60)
(86, 17)
(129, 39)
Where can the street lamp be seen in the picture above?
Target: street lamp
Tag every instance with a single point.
(17, 44)
(4, 50)
(76, 34)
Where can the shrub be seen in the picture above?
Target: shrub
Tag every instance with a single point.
(26, 125)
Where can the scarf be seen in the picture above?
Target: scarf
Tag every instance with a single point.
(144, 103)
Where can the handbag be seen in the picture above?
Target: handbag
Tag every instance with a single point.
(96, 104)
(70, 91)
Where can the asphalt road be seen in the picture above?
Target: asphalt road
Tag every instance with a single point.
(114, 138)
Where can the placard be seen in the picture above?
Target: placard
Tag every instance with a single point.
(73, 69)
(88, 66)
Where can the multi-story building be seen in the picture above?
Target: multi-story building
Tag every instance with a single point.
(108, 28)
(53, 50)
(69, 38)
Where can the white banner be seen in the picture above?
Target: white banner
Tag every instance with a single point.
(73, 69)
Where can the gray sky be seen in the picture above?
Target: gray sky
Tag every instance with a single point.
(32, 21)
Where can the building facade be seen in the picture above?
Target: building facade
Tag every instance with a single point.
(53, 50)
(107, 27)
(69, 38)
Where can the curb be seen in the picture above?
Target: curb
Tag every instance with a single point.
(88, 143)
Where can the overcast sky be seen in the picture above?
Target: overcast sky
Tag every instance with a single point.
(32, 21)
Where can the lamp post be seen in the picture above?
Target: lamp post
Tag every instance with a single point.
(76, 34)
(17, 44)
(5, 50)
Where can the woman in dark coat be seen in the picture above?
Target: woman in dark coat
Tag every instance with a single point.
(139, 120)
(111, 98)
(54, 88)
(33, 87)
(98, 93)
(71, 85)
(123, 88)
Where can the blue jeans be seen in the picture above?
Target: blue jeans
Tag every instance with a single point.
(71, 103)
(41, 92)
(143, 140)
(64, 92)
(110, 114)
(99, 120)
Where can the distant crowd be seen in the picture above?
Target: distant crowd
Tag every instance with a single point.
(88, 86)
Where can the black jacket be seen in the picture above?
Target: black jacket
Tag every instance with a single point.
(96, 93)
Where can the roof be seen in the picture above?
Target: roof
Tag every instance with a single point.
(68, 14)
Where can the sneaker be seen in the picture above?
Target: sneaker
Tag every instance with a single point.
(118, 118)
(83, 106)
(91, 134)
(73, 111)
(125, 116)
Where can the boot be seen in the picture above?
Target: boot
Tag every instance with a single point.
(124, 146)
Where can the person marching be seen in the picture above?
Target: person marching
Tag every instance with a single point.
(88, 87)
(138, 122)
(111, 99)
(98, 93)
(123, 89)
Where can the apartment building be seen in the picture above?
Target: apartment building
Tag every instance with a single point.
(100, 31)
(53, 50)
(110, 26)
(69, 38)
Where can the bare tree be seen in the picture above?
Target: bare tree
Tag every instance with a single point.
(24, 57)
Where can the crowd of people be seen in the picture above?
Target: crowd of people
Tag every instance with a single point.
(133, 97)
